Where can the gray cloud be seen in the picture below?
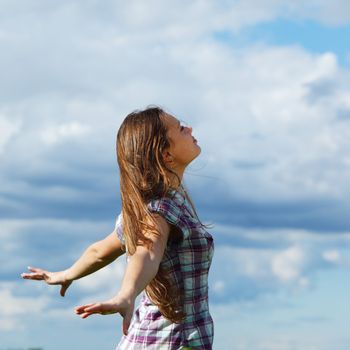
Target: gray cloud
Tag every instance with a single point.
(343, 114)
(321, 89)
(273, 156)
(285, 260)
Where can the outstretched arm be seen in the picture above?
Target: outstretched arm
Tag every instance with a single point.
(96, 256)
(142, 267)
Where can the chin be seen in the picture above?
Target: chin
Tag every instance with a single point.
(195, 155)
(198, 152)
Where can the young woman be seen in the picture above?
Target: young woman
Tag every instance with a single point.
(169, 251)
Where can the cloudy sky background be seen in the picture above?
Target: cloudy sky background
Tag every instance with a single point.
(265, 86)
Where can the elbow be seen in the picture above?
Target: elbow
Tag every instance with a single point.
(97, 253)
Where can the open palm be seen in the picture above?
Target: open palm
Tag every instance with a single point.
(54, 278)
(117, 304)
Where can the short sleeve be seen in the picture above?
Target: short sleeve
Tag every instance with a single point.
(119, 229)
(172, 213)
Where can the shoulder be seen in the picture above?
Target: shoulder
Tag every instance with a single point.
(171, 210)
(165, 205)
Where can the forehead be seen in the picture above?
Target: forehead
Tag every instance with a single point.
(170, 121)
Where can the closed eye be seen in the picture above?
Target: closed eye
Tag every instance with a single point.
(180, 126)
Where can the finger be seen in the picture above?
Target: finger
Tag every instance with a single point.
(85, 314)
(81, 308)
(101, 308)
(126, 323)
(64, 287)
(95, 308)
(35, 269)
(63, 290)
(37, 276)
(33, 276)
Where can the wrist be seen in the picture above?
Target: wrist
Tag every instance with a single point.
(129, 294)
(67, 275)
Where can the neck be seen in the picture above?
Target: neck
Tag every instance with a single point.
(174, 180)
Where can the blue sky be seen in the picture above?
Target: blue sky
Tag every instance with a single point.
(310, 34)
(265, 86)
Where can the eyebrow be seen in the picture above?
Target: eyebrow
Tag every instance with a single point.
(178, 124)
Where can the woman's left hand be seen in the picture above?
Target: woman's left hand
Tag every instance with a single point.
(122, 305)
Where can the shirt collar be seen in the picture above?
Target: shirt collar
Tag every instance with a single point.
(179, 194)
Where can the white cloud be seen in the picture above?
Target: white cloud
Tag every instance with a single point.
(64, 241)
(254, 100)
(268, 325)
(245, 13)
(265, 128)
(13, 308)
(8, 324)
(332, 256)
(304, 282)
(107, 280)
(272, 122)
(71, 130)
(219, 286)
(251, 93)
(287, 264)
(254, 263)
(8, 129)
(329, 12)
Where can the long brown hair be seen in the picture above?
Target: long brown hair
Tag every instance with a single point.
(141, 140)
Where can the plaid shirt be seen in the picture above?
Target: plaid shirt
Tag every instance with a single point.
(187, 263)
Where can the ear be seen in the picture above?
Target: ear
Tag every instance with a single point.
(168, 158)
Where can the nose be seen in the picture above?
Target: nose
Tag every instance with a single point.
(190, 129)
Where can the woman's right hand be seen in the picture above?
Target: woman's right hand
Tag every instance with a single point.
(119, 304)
(54, 278)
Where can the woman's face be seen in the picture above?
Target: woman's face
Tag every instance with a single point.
(183, 146)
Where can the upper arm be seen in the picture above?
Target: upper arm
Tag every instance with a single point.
(109, 248)
(173, 215)
(160, 240)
